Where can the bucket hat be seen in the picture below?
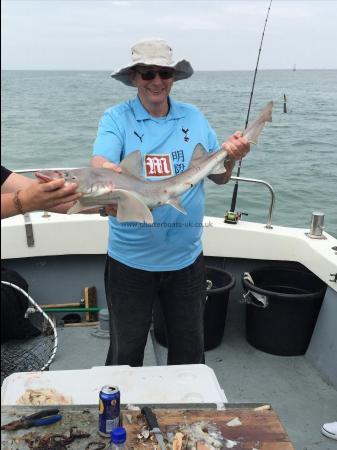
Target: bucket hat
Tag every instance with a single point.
(153, 52)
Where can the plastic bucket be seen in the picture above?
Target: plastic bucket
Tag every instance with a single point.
(71, 318)
(219, 283)
(282, 305)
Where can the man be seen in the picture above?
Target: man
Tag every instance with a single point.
(164, 260)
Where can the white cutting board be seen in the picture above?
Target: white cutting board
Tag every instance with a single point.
(193, 383)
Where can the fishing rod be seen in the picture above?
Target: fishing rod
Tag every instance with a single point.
(232, 216)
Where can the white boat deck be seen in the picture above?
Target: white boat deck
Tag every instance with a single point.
(291, 385)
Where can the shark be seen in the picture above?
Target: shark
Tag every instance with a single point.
(136, 196)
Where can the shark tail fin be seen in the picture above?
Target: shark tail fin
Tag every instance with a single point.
(253, 131)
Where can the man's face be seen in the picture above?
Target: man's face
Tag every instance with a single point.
(154, 83)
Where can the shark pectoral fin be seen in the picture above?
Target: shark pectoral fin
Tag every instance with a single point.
(132, 164)
(131, 208)
(176, 204)
(77, 207)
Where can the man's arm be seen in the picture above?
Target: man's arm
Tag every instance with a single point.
(100, 161)
(14, 182)
(20, 194)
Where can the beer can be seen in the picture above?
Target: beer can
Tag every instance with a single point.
(109, 410)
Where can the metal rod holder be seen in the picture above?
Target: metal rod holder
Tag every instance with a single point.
(317, 226)
(317, 223)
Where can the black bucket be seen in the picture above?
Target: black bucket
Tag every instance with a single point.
(71, 318)
(282, 305)
(219, 284)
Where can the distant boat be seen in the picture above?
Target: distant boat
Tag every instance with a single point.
(294, 68)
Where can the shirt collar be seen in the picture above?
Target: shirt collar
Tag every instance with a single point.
(175, 112)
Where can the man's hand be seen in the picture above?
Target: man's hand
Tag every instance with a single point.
(112, 166)
(48, 195)
(236, 146)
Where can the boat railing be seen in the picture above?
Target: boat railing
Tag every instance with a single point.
(239, 179)
(271, 190)
(39, 169)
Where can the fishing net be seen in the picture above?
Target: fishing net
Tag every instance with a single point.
(34, 353)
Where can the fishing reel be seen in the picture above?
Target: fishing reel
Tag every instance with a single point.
(233, 217)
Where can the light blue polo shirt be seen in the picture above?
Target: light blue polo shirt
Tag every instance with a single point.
(173, 241)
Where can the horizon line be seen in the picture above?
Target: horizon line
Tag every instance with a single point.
(199, 70)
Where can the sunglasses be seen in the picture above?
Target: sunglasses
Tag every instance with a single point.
(148, 75)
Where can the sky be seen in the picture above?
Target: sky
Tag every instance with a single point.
(212, 35)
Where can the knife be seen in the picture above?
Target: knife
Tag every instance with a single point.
(151, 420)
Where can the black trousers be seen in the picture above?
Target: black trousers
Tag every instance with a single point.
(130, 297)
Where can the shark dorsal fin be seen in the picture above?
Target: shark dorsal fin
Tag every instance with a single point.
(199, 155)
(199, 152)
(132, 164)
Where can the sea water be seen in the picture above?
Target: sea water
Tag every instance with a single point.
(50, 118)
